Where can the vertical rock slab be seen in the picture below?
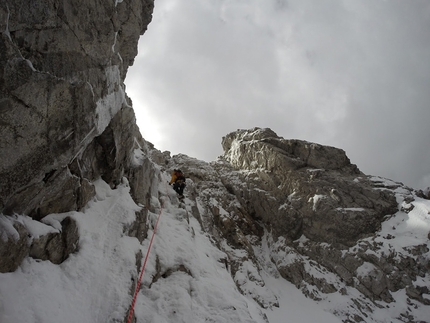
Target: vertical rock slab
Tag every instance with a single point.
(62, 66)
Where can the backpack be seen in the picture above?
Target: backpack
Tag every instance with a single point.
(180, 176)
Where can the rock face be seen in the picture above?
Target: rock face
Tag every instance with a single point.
(62, 68)
(321, 194)
(57, 246)
(65, 117)
(303, 211)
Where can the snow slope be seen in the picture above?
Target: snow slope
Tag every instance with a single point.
(93, 284)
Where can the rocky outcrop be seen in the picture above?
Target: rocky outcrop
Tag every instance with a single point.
(20, 239)
(62, 68)
(65, 118)
(303, 211)
(319, 193)
(57, 246)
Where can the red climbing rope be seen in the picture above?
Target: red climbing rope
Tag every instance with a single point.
(130, 315)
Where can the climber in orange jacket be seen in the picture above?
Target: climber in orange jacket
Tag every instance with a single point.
(178, 181)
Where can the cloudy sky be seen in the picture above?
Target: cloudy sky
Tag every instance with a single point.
(354, 74)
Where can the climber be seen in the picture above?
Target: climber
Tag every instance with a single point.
(178, 181)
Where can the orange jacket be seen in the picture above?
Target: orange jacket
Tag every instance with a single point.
(174, 178)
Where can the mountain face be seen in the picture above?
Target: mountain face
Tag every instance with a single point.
(325, 226)
(65, 117)
(268, 208)
(295, 172)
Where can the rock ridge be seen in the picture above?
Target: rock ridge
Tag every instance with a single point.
(330, 231)
(310, 179)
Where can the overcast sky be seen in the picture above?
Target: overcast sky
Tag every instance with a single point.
(353, 74)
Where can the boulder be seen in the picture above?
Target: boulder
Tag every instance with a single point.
(56, 247)
(13, 244)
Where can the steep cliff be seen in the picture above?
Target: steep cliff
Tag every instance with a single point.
(65, 117)
(62, 71)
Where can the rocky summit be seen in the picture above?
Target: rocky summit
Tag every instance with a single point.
(81, 190)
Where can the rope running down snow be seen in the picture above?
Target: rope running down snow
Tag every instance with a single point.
(130, 315)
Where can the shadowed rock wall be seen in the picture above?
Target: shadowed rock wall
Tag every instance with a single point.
(62, 66)
(65, 119)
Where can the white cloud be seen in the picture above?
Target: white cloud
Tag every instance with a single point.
(350, 74)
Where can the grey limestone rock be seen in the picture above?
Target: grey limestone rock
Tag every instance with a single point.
(65, 118)
(57, 246)
(324, 196)
(62, 68)
(316, 213)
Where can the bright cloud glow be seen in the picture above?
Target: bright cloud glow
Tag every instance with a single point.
(350, 74)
